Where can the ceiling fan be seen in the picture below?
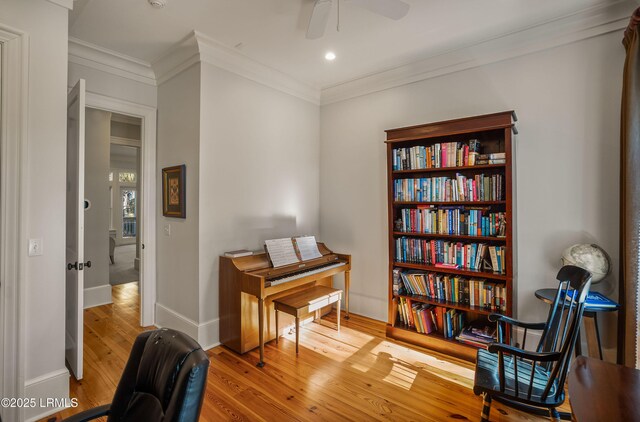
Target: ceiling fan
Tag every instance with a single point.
(393, 9)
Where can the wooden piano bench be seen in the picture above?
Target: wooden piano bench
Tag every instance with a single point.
(305, 302)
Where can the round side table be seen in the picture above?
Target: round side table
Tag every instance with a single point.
(590, 322)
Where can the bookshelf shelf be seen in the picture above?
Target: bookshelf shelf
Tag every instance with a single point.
(452, 236)
(436, 336)
(432, 341)
(448, 203)
(439, 144)
(457, 271)
(452, 169)
(447, 304)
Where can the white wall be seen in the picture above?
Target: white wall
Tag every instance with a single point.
(178, 143)
(46, 25)
(103, 83)
(567, 100)
(255, 177)
(259, 171)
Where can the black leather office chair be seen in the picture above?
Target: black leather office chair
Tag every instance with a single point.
(164, 380)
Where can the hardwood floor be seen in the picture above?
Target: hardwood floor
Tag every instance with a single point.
(356, 374)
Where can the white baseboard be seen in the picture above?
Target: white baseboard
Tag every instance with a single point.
(96, 296)
(52, 385)
(209, 334)
(206, 334)
(366, 305)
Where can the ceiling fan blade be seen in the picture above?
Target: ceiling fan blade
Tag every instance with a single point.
(393, 9)
(319, 18)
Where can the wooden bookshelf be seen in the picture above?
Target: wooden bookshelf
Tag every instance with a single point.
(494, 133)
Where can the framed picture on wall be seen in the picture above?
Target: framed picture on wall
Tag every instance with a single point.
(174, 191)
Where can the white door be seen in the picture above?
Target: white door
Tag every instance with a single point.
(75, 228)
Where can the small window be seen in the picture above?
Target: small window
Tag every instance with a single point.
(127, 177)
(128, 213)
(111, 176)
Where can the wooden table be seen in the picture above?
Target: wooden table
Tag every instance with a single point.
(601, 391)
(590, 321)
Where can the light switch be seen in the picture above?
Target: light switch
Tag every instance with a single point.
(35, 247)
(167, 229)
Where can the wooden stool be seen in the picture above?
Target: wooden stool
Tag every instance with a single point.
(304, 302)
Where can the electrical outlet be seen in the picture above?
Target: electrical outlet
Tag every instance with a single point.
(167, 229)
(35, 247)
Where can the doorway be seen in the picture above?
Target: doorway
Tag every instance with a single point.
(111, 217)
(138, 219)
(124, 200)
(146, 206)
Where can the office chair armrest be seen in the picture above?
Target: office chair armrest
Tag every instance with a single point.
(525, 354)
(511, 321)
(90, 414)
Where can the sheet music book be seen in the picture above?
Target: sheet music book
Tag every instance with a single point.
(281, 251)
(308, 247)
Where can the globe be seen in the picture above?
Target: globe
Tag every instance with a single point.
(590, 257)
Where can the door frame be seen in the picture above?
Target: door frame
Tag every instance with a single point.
(148, 194)
(13, 206)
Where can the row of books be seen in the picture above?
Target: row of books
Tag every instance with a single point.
(446, 154)
(473, 292)
(427, 318)
(498, 256)
(495, 158)
(440, 253)
(421, 316)
(452, 221)
(446, 189)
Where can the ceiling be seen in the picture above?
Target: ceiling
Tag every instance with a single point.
(272, 32)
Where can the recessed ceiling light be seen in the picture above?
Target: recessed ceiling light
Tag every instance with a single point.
(331, 56)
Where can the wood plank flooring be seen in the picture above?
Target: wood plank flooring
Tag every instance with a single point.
(355, 375)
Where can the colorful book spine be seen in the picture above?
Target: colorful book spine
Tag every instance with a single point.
(455, 289)
(449, 220)
(444, 154)
(447, 189)
(440, 253)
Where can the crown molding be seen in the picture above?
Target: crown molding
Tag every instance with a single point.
(214, 53)
(105, 60)
(67, 4)
(597, 20)
(178, 58)
(197, 47)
